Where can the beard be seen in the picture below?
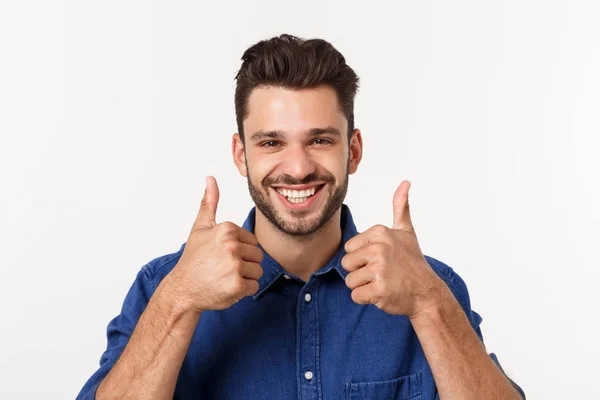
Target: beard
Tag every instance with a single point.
(299, 226)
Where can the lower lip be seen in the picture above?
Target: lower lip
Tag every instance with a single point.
(299, 206)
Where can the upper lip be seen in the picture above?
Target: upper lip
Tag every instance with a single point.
(298, 187)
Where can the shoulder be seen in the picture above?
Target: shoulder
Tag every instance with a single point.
(159, 267)
(456, 284)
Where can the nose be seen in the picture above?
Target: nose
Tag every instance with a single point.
(297, 162)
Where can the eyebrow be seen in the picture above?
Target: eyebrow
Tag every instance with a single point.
(277, 134)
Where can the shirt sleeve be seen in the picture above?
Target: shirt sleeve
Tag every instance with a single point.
(459, 288)
(119, 331)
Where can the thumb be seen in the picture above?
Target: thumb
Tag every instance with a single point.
(208, 208)
(401, 208)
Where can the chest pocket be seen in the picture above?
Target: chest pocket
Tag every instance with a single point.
(406, 387)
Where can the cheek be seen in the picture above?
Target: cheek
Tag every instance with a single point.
(335, 166)
(259, 169)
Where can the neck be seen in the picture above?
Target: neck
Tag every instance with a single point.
(299, 255)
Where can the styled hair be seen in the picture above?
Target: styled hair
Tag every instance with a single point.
(294, 63)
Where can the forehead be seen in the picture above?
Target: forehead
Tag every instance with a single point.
(293, 110)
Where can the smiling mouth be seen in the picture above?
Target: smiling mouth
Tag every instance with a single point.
(298, 196)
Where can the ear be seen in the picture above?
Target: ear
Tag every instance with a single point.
(356, 149)
(239, 156)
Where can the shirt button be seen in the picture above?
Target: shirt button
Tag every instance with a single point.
(286, 276)
(308, 375)
(307, 297)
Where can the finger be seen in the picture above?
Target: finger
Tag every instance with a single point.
(356, 259)
(208, 208)
(371, 235)
(361, 276)
(245, 236)
(357, 242)
(248, 252)
(363, 294)
(401, 208)
(251, 270)
(251, 287)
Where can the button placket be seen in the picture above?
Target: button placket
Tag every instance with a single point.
(307, 341)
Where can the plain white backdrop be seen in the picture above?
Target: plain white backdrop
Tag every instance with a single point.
(112, 114)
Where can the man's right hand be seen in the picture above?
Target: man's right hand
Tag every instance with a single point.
(220, 263)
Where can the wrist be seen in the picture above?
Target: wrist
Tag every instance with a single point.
(432, 303)
(176, 300)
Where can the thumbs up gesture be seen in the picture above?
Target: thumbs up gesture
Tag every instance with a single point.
(220, 263)
(387, 268)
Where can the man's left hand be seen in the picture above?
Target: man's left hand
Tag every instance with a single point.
(387, 267)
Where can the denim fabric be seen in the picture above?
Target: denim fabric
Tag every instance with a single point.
(292, 340)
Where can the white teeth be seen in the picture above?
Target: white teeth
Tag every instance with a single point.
(297, 194)
(297, 199)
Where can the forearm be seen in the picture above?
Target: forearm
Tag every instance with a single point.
(461, 367)
(150, 363)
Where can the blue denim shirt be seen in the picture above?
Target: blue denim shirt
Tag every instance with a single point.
(292, 340)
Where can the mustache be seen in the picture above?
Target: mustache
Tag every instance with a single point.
(288, 180)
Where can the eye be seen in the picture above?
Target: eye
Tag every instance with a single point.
(269, 144)
(322, 141)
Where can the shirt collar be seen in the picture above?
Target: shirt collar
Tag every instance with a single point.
(273, 271)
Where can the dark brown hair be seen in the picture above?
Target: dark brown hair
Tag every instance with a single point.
(295, 63)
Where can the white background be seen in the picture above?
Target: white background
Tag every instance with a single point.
(113, 113)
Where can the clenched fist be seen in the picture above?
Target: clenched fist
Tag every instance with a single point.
(220, 263)
(387, 267)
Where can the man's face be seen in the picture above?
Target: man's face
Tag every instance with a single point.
(296, 156)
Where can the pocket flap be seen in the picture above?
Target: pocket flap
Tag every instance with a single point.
(406, 387)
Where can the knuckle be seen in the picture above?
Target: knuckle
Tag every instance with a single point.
(380, 229)
(227, 227)
(231, 246)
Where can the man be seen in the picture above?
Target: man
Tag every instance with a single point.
(296, 304)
